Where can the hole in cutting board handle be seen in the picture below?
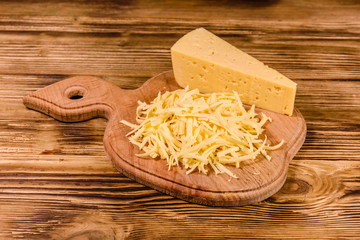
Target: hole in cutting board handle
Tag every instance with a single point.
(75, 92)
(75, 97)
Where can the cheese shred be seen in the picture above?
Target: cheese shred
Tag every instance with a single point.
(199, 131)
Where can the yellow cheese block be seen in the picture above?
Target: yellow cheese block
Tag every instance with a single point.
(202, 60)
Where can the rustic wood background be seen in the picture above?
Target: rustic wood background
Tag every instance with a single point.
(55, 180)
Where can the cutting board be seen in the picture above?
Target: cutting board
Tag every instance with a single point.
(84, 97)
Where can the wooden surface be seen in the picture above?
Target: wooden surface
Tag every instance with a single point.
(55, 179)
(81, 98)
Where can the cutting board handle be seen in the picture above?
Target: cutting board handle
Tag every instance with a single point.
(78, 98)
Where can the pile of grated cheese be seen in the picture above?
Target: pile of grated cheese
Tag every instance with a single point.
(199, 131)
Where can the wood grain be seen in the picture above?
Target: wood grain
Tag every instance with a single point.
(55, 180)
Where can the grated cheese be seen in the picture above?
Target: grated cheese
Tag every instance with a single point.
(199, 131)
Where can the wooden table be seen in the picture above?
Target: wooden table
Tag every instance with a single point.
(55, 179)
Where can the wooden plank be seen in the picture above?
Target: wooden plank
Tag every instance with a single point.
(330, 111)
(321, 197)
(205, 10)
(288, 50)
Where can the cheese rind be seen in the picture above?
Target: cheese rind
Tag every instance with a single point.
(202, 60)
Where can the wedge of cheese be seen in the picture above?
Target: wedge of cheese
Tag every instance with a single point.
(202, 60)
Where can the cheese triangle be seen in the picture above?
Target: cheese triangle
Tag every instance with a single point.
(202, 60)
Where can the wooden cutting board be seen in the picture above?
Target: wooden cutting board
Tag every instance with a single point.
(82, 98)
